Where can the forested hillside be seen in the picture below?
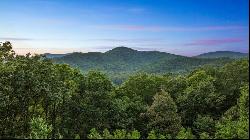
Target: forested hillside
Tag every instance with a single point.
(121, 62)
(42, 99)
(220, 54)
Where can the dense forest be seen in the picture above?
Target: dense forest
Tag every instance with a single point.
(122, 62)
(43, 99)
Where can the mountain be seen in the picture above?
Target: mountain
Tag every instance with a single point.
(120, 62)
(219, 54)
(116, 60)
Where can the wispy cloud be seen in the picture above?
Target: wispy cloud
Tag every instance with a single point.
(107, 40)
(170, 29)
(138, 40)
(33, 39)
(109, 11)
(15, 39)
(212, 42)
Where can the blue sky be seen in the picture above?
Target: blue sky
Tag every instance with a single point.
(185, 27)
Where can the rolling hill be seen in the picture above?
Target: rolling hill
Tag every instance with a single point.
(120, 62)
(219, 54)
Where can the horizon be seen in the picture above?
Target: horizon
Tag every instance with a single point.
(186, 27)
(135, 49)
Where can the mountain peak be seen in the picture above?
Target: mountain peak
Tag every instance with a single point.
(121, 49)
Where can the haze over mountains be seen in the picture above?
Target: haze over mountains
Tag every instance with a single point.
(216, 54)
(120, 62)
(219, 54)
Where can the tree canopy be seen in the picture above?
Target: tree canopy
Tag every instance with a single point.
(43, 99)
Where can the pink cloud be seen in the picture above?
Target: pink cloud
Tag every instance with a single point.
(211, 42)
(170, 29)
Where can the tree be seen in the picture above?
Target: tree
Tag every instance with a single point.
(33, 86)
(204, 125)
(163, 114)
(143, 85)
(94, 134)
(204, 135)
(126, 113)
(235, 122)
(152, 135)
(119, 134)
(6, 52)
(133, 135)
(230, 79)
(106, 134)
(175, 86)
(130, 102)
(93, 98)
(199, 97)
(185, 134)
(39, 129)
(42, 99)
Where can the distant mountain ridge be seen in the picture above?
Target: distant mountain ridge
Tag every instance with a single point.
(216, 54)
(116, 60)
(219, 54)
(120, 62)
(49, 55)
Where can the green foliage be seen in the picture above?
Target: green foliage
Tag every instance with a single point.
(119, 134)
(161, 137)
(77, 136)
(119, 63)
(132, 99)
(152, 135)
(204, 135)
(41, 99)
(243, 101)
(106, 134)
(134, 135)
(185, 134)
(235, 122)
(175, 86)
(228, 129)
(204, 124)
(163, 114)
(92, 99)
(199, 97)
(6, 52)
(39, 128)
(230, 80)
(96, 81)
(126, 112)
(143, 85)
(94, 134)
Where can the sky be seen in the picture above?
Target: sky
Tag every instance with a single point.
(184, 27)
